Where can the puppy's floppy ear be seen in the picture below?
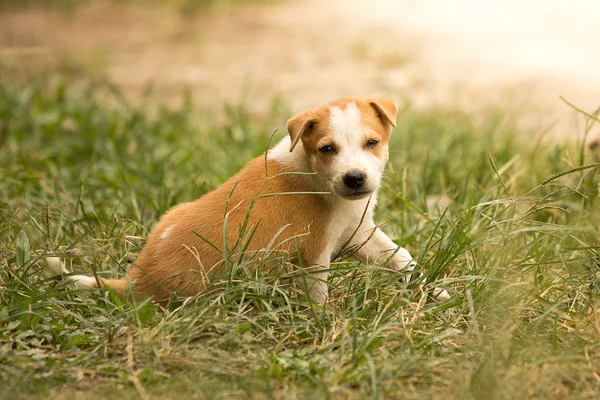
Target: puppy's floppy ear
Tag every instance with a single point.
(386, 110)
(299, 125)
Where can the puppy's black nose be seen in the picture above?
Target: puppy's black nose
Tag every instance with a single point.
(354, 179)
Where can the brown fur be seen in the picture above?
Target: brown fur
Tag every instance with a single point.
(181, 261)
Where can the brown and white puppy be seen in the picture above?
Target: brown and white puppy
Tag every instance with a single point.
(313, 193)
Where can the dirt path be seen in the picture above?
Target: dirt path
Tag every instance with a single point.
(521, 54)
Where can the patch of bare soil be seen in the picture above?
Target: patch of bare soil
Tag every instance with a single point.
(467, 54)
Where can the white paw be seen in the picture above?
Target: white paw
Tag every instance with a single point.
(402, 260)
(319, 293)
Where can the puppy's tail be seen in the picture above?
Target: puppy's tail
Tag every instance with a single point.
(57, 267)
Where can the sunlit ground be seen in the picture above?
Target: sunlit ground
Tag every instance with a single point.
(522, 55)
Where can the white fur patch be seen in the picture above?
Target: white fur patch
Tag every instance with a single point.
(56, 266)
(166, 232)
(344, 220)
(281, 151)
(294, 161)
(346, 125)
(83, 282)
(404, 257)
(349, 134)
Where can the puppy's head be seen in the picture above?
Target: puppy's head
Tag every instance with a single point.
(346, 142)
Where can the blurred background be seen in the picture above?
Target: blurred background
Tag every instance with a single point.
(520, 55)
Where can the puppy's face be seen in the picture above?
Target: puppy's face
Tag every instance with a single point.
(346, 142)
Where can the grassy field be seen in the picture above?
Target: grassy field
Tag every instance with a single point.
(85, 174)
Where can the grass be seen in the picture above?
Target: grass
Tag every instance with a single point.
(85, 174)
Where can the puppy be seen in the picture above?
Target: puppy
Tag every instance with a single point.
(312, 196)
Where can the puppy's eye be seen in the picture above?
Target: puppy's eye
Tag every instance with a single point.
(326, 149)
(372, 143)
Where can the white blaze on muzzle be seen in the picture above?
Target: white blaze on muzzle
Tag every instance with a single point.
(348, 132)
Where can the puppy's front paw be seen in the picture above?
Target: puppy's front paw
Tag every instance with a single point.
(319, 293)
(402, 260)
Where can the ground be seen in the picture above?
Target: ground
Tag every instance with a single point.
(515, 54)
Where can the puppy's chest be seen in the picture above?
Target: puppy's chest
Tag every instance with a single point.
(343, 222)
